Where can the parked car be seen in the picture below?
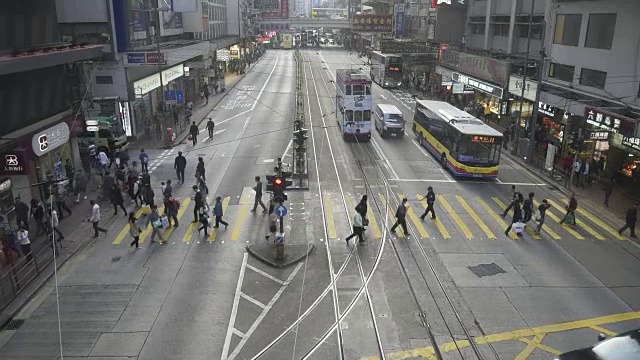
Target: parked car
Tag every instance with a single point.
(625, 346)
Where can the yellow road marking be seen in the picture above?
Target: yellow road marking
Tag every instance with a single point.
(239, 223)
(557, 219)
(598, 222)
(520, 335)
(443, 230)
(214, 231)
(331, 224)
(495, 216)
(532, 344)
(416, 220)
(603, 330)
(579, 222)
(373, 223)
(527, 227)
(125, 230)
(475, 217)
(189, 234)
(455, 217)
(183, 208)
(148, 228)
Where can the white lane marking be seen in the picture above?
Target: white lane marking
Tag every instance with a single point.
(284, 154)
(244, 128)
(253, 301)
(268, 276)
(384, 157)
(470, 182)
(382, 96)
(234, 309)
(236, 331)
(431, 157)
(264, 312)
(268, 160)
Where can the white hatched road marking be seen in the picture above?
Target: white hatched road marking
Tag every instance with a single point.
(253, 301)
(268, 276)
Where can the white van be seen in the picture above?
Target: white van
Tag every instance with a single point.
(389, 120)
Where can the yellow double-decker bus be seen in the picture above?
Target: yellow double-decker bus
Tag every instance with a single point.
(461, 142)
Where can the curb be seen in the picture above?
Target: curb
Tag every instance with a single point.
(266, 254)
(4, 321)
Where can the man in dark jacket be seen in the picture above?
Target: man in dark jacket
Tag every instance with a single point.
(193, 131)
(198, 200)
(180, 164)
(431, 199)
(630, 220)
(22, 213)
(401, 218)
(210, 126)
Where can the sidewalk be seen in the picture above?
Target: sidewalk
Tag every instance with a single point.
(591, 195)
(200, 112)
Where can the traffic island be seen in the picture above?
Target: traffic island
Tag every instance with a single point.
(268, 254)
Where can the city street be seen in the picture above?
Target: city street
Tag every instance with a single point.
(456, 288)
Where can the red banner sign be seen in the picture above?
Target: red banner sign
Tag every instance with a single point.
(372, 23)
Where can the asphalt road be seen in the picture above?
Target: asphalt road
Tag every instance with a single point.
(453, 279)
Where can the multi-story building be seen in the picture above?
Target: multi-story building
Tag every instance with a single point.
(434, 21)
(151, 49)
(40, 98)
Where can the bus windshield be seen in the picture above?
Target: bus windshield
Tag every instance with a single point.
(479, 149)
(116, 129)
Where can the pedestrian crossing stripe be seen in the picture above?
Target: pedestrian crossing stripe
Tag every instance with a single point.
(443, 230)
(125, 230)
(239, 223)
(456, 218)
(475, 217)
(579, 222)
(496, 217)
(214, 231)
(527, 227)
(147, 230)
(547, 229)
(557, 219)
(373, 223)
(331, 225)
(183, 207)
(416, 220)
(597, 221)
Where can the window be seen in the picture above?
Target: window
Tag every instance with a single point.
(348, 87)
(568, 29)
(600, 31)
(357, 116)
(500, 29)
(536, 31)
(561, 72)
(595, 78)
(477, 29)
(104, 80)
(366, 115)
(358, 89)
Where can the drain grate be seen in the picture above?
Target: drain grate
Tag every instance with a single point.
(116, 258)
(483, 270)
(14, 324)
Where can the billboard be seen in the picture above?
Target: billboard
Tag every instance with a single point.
(372, 23)
(399, 20)
(484, 68)
(281, 11)
(171, 23)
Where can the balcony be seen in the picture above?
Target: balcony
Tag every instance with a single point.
(44, 56)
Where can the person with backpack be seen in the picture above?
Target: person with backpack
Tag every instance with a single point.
(199, 202)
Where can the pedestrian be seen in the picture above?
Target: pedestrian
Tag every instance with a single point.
(514, 196)
(401, 218)
(37, 211)
(134, 230)
(179, 165)
(61, 203)
(68, 170)
(200, 169)
(218, 212)
(363, 208)
(198, 203)
(358, 228)
(144, 161)
(156, 224)
(108, 182)
(431, 200)
(148, 195)
(204, 221)
(22, 213)
(210, 126)
(517, 218)
(173, 205)
(117, 200)
(54, 224)
(80, 186)
(608, 190)
(570, 216)
(586, 175)
(193, 131)
(95, 218)
(273, 223)
(258, 197)
(577, 166)
(104, 161)
(206, 93)
(541, 214)
(630, 220)
(527, 208)
(25, 243)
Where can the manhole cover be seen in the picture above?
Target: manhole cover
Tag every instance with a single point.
(14, 324)
(116, 258)
(486, 270)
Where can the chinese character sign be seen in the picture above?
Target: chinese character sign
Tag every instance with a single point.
(372, 23)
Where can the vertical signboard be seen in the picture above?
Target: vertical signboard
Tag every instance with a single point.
(399, 20)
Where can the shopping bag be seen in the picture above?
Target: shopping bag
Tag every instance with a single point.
(570, 218)
(537, 216)
(157, 224)
(165, 222)
(517, 227)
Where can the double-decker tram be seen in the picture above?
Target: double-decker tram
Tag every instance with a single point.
(354, 104)
(386, 69)
(463, 144)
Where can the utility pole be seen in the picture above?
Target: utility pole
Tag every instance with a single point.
(516, 136)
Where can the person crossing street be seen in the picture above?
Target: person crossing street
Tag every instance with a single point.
(210, 126)
(431, 199)
(179, 165)
(401, 218)
(258, 198)
(193, 131)
(217, 212)
(527, 208)
(95, 218)
(144, 161)
(198, 200)
(358, 228)
(630, 220)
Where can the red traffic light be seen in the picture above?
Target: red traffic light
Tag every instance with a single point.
(277, 181)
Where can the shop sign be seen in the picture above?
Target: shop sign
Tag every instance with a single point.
(222, 55)
(402, 47)
(156, 58)
(632, 142)
(5, 185)
(172, 73)
(136, 58)
(530, 87)
(601, 120)
(459, 88)
(477, 84)
(488, 69)
(599, 135)
(149, 83)
(125, 117)
(50, 139)
(13, 164)
(546, 109)
(372, 23)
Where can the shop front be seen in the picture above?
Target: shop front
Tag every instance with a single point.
(489, 97)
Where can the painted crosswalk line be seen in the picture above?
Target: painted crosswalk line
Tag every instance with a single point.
(553, 216)
(496, 217)
(331, 224)
(214, 231)
(528, 227)
(125, 230)
(595, 220)
(475, 217)
(579, 222)
(238, 225)
(456, 218)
